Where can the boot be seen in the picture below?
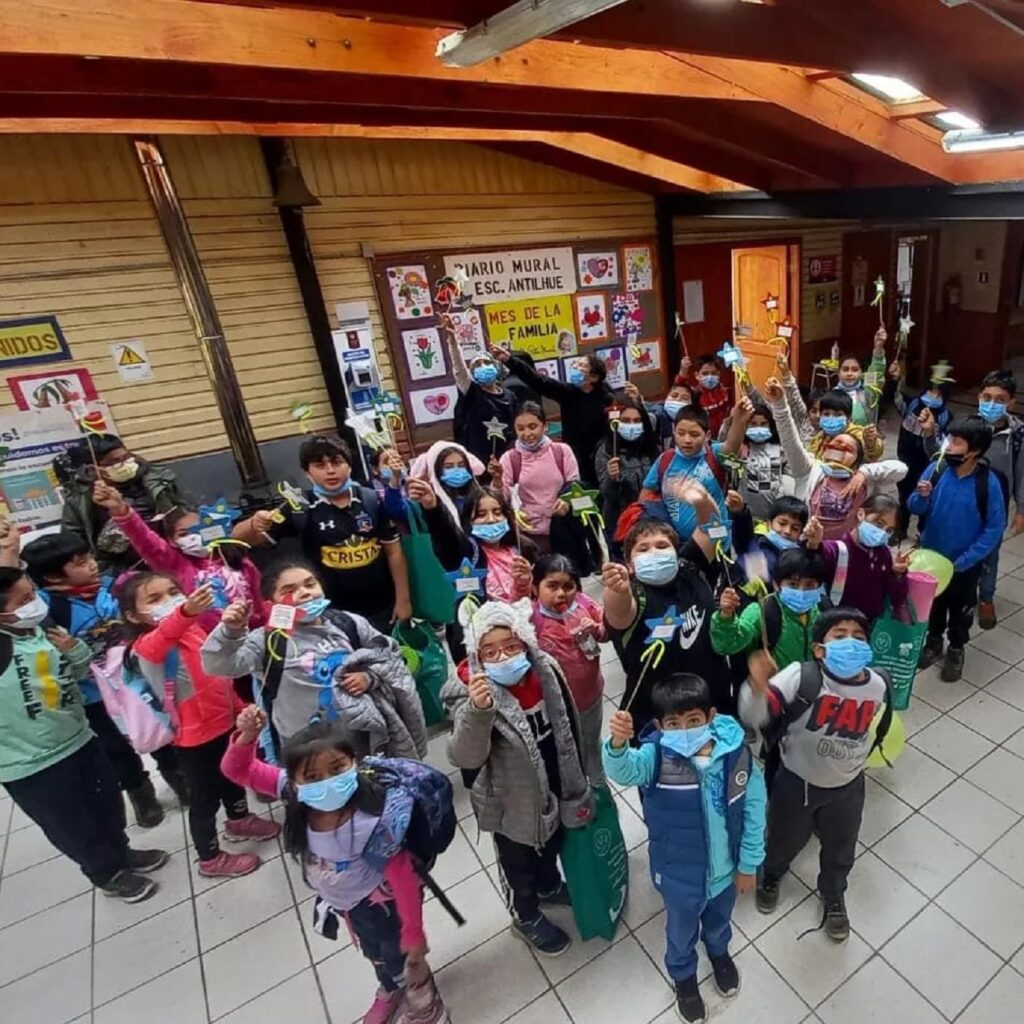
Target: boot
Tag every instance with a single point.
(148, 812)
(179, 786)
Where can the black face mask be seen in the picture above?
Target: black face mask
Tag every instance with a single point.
(956, 460)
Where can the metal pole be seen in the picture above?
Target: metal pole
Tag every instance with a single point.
(201, 308)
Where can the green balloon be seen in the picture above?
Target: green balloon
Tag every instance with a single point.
(931, 562)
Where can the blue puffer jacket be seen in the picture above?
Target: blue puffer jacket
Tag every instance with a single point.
(704, 825)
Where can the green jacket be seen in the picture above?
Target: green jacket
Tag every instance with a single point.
(743, 633)
(42, 719)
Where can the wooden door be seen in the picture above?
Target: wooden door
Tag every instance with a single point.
(756, 273)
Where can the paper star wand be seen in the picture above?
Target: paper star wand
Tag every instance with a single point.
(495, 432)
(293, 499)
(662, 629)
(941, 373)
(733, 359)
(680, 323)
(614, 415)
(877, 300)
(302, 413)
(583, 504)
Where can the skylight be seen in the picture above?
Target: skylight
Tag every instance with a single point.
(894, 89)
(954, 119)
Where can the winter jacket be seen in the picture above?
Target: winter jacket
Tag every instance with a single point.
(814, 440)
(704, 825)
(762, 481)
(387, 718)
(870, 578)
(42, 720)
(743, 633)
(161, 555)
(205, 705)
(955, 527)
(511, 793)
(617, 495)
(541, 476)
(153, 492)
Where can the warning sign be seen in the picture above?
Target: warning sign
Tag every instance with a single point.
(131, 361)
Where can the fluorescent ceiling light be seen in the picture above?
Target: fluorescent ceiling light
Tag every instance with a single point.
(891, 88)
(518, 24)
(962, 141)
(954, 119)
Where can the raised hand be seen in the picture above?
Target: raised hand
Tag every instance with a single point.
(251, 721)
(109, 497)
(728, 603)
(236, 616)
(421, 491)
(200, 600)
(480, 691)
(615, 577)
(620, 728)
(615, 469)
(772, 390)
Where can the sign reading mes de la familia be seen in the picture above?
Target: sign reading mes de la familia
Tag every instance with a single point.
(522, 274)
(542, 327)
(35, 339)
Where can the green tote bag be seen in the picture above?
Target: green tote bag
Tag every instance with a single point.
(897, 646)
(429, 590)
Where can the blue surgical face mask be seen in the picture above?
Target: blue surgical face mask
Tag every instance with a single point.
(847, 658)
(490, 532)
(832, 425)
(686, 742)
(709, 382)
(332, 492)
(854, 386)
(673, 408)
(779, 542)
(630, 431)
(836, 472)
(798, 601)
(548, 613)
(992, 412)
(314, 608)
(872, 536)
(931, 403)
(759, 435)
(385, 473)
(486, 373)
(509, 671)
(329, 794)
(656, 567)
(577, 376)
(456, 476)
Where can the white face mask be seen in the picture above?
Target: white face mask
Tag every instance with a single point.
(121, 472)
(192, 544)
(159, 612)
(30, 615)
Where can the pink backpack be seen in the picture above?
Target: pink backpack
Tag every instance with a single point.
(130, 701)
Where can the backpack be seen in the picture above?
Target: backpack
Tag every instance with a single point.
(273, 671)
(516, 460)
(136, 709)
(980, 487)
(636, 510)
(1016, 444)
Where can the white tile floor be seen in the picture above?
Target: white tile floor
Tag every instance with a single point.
(936, 901)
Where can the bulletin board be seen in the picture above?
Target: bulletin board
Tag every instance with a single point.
(555, 301)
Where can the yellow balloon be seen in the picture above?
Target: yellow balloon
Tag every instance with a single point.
(931, 562)
(892, 746)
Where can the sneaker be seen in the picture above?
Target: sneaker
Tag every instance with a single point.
(931, 652)
(130, 887)
(144, 861)
(987, 615)
(237, 830)
(767, 895)
(229, 865)
(435, 1013)
(383, 1007)
(148, 812)
(559, 898)
(689, 1005)
(545, 936)
(953, 666)
(837, 924)
(727, 976)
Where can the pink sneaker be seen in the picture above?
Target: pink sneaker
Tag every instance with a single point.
(384, 1005)
(229, 865)
(237, 830)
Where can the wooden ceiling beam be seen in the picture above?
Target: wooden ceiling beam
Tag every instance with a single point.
(189, 32)
(916, 109)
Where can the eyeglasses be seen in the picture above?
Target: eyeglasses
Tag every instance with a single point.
(510, 648)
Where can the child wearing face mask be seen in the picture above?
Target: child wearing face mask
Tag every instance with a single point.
(659, 580)
(482, 400)
(787, 517)
(704, 805)
(570, 627)
(679, 397)
(182, 552)
(51, 764)
(150, 490)
(347, 826)
(451, 472)
(164, 640)
(328, 665)
(515, 736)
(961, 513)
(714, 397)
(824, 710)
(861, 569)
(864, 389)
(764, 463)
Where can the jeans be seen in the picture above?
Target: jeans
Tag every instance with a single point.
(686, 923)
(77, 803)
(989, 573)
(209, 789)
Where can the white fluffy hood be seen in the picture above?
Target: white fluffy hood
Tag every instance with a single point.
(517, 617)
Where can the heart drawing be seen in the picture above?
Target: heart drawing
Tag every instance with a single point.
(436, 404)
(598, 267)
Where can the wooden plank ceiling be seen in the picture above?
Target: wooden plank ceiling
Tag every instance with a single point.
(666, 95)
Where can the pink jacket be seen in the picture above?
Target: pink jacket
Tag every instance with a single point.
(203, 706)
(162, 556)
(572, 642)
(541, 476)
(239, 764)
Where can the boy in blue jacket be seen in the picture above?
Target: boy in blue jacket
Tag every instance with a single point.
(704, 804)
(962, 515)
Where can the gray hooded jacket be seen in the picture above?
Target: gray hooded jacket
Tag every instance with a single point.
(511, 794)
(386, 720)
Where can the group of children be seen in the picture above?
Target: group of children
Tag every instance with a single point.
(756, 589)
